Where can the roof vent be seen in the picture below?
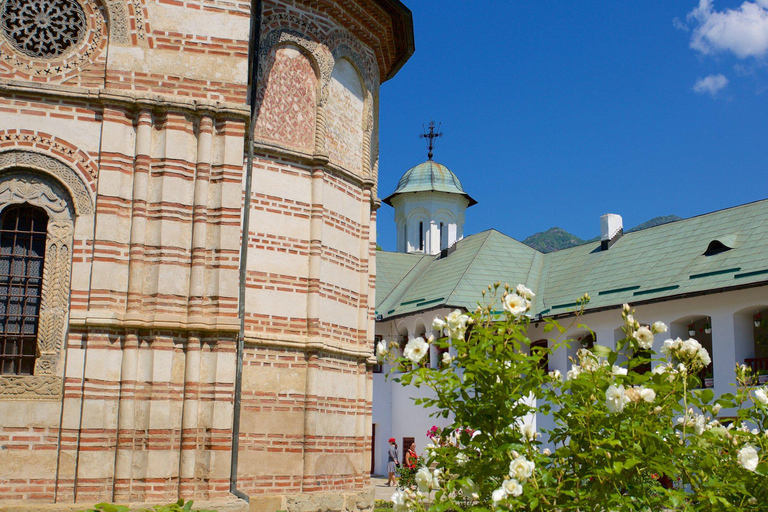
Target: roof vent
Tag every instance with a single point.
(611, 229)
(725, 243)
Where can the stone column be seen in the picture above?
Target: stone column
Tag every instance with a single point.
(200, 217)
(126, 427)
(138, 217)
(315, 253)
(190, 417)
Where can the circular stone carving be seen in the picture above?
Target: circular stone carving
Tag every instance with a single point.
(43, 28)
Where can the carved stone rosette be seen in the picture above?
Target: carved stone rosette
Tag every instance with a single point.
(51, 38)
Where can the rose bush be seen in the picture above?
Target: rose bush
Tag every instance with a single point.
(620, 440)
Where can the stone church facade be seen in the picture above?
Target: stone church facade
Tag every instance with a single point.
(142, 336)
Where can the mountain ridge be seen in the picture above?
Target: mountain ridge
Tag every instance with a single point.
(556, 239)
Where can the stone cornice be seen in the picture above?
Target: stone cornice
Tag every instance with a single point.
(386, 26)
(130, 99)
(312, 160)
(305, 344)
(106, 318)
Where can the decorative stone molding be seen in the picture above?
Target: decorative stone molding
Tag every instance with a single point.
(30, 387)
(77, 189)
(139, 20)
(77, 27)
(343, 44)
(322, 58)
(119, 23)
(21, 186)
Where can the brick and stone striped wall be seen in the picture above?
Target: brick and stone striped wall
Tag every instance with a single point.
(143, 127)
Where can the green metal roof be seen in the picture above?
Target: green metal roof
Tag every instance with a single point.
(655, 263)
(456, 280)
(429, 176)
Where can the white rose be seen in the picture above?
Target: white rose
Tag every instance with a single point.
(438, 324)
(416, 349)
(524, 292)
(574, 372)
(456, 323)
(716, 408)
(647, 394)
(615, 398)
(447, 358)
(618, 370)
(630, 320)
(690, 348)
(512, 487)
(436, 479)
(670, 346)
(498, 495)
(699, 424)
(555, 375)
(461, 459)
(424, 479)
(761, 397)
(644, 338)
(398, 502)
(521, 469)
(529, 432)
(659, 327)
(381, 350)
(703, 356)
(515, 305)
(747, 457)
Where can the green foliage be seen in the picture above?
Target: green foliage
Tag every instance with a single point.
(620, 440)
(179, 506)
(406, 477)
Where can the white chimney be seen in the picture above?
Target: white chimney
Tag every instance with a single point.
(611, 228)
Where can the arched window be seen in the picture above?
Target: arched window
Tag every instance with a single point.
(23, 232)
(442, 239)
(540, 347)
(421, 236)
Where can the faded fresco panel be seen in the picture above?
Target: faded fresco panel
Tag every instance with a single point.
(288, 103)
(345, 117)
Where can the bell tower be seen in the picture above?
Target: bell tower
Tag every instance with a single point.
(429, 204)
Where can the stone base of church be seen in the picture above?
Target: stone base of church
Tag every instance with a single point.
(228, 505)
(350, 501)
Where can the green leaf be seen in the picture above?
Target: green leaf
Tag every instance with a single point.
(706, 395)
(601, 350)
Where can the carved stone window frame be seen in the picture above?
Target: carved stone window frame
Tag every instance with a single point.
(41, 187)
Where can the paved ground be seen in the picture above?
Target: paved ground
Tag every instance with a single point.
(382, 492)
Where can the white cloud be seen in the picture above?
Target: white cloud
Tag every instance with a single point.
(711, 84)
(742, 31)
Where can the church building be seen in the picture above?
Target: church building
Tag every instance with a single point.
(705, 277)
(187, 248)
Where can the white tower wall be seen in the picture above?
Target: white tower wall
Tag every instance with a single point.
(419, 215)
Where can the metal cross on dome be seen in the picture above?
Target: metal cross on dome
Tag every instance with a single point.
(431, 135)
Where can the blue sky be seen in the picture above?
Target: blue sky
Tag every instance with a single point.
(555, 113)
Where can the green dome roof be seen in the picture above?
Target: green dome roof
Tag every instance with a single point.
(429, 176)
